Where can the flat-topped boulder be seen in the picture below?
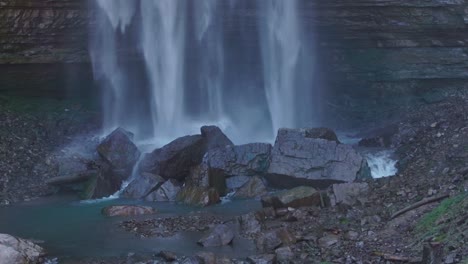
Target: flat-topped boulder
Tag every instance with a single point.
(306, 157)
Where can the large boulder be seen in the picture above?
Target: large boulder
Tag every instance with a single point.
(15, 250)
(119, 150)
(300, 158)
(198, 196)
(127, 210)
(143, 185)
(302, 196)
(245, 160)
(174, 160)
(215, 138)
(219, 164)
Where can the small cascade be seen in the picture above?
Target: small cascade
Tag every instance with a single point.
(382, 164)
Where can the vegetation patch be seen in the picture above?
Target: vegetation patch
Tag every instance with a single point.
(447, 223)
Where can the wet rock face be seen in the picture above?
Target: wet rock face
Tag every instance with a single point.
(298, 159)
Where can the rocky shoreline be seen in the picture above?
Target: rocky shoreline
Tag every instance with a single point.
(314, 220)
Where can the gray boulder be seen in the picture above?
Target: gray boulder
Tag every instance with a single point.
(118, 150)
(221, 235)
(220, 164)
(244, 160)
(174, 160)
(215, 138)
(15, 250)
(298, 159)
(143, 185)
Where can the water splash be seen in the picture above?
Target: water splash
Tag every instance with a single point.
(382, 164)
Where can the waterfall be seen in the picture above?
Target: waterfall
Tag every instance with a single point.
(167, 67)
(162, 44)
(281, 44)
(116, 17)
(211, 69)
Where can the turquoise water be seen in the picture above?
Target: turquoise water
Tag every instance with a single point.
(69, 229)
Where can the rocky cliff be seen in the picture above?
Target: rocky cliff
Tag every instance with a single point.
(43, 31)
(42, 45)
(393, 52)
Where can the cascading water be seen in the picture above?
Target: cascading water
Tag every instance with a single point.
(281, 47)
(211, 72)
(170, 66)
(162, 36)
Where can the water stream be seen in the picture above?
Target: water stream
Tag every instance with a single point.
(73, 230)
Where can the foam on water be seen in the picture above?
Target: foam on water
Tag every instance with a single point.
(382, 164)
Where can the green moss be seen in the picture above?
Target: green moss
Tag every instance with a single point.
(443, 223)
